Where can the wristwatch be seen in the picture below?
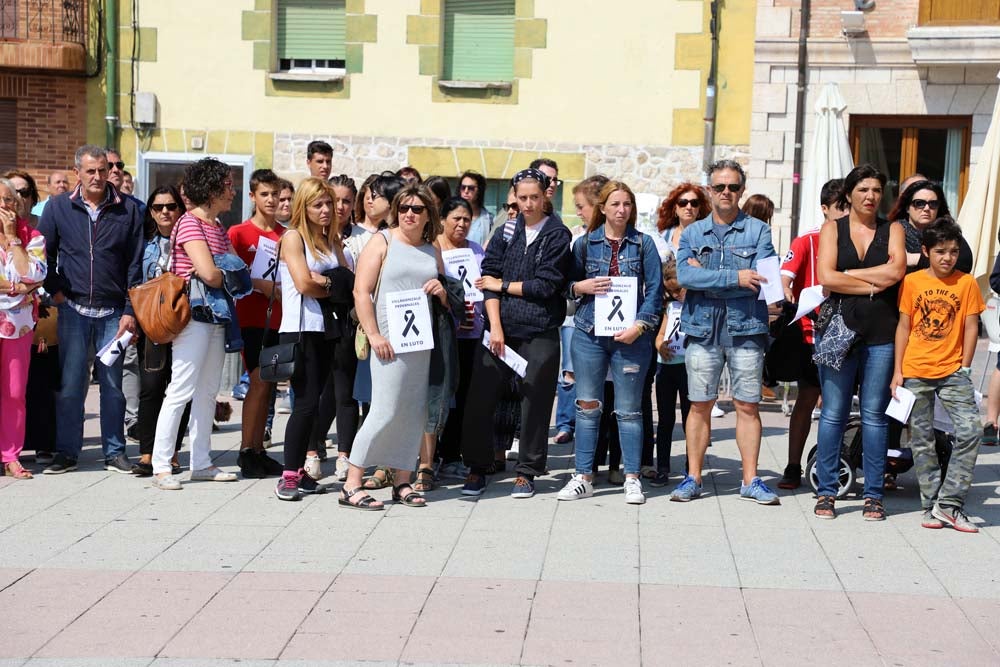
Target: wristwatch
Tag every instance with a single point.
(504, 286)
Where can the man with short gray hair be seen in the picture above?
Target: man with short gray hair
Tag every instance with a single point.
(58, 183)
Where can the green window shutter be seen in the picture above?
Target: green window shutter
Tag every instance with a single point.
(311, 29)
(479, 40)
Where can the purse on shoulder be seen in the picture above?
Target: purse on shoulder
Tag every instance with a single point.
(161, 305)
(278, 362)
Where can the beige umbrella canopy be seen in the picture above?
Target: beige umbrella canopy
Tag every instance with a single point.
(981, 208)
(830, 157)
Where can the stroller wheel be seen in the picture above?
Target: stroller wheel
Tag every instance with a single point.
(845, 475)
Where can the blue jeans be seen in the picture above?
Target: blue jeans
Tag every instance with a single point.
(566, 391)
(592, 357)
(873, 363)
(79, 337)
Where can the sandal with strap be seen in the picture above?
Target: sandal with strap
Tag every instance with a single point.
(379, 481)
(425, 480)
(874, 510)
(365, 502)
(824, 508)
(411, 499)
(16, 470)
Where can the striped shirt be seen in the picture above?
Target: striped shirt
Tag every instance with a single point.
(191, 228)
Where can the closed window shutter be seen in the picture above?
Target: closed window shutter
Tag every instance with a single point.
(8, 134)
(311, 29)
(479, 40)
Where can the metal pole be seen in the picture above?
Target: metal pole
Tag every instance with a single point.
(111, 72)
(800, 116)
(711, 97)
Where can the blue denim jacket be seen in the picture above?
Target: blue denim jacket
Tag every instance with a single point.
(637, 257)
(220, 300)
(715, 284)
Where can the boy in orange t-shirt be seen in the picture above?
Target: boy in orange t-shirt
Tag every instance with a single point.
(935, 342)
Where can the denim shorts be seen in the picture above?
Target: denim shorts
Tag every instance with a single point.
(704, 369)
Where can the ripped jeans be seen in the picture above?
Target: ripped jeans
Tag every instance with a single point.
(592, 357)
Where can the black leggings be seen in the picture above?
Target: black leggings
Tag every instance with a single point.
(40, 400)
(152, 385)
(608, 443)
(450, 447)
(337, 399)
(671, 384)
(311, 371)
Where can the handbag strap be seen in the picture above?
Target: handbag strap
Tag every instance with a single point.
(387, 235)
(270, 299)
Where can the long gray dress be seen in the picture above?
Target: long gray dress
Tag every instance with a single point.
(392, 431)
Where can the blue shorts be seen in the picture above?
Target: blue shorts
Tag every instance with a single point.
(704, 370)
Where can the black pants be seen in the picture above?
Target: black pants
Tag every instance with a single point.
(671, 384)
(538, 390)
(154, 376)
(40, 400)
(450, 446)
(647, 412)
(311, 372)
(337, 400)
(608, 443)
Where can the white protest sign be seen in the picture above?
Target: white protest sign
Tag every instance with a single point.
(770, 291)
(674, 336)
(615, 310)
(409, 321)
(461, 264)
(115, 348)
(265, 261)
(517, 363)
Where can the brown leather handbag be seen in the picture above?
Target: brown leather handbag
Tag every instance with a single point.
(161, 305)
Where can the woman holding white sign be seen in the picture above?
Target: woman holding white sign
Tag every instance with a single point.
(616, 271)
(396, 263)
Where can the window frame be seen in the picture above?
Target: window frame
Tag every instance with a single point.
(294, 71)
(448, 80)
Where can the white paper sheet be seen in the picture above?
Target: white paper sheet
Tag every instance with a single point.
(809, 300)
(409, 315)
(615, 311)
(517, 363)
(265, 261)
(770, 269)
(109, 353)
(674, 335)
(461, 264)
(900, 406)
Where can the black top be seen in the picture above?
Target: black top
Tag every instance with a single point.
(912, 240)
(875, 318)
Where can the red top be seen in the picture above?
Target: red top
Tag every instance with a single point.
(252, 309)
(800, 265)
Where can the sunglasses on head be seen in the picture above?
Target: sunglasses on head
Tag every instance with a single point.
(733, 187)
(118, 165)
(684, 203)
(416, 208)
(924, 203)
(24, 192)
(172, 206)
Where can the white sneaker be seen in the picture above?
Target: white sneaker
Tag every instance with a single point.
(341, 470)
(313, 467)
(815, 414)
(577, 487)
(512, 453)
(212, 474)
(717, 411)
(633, 491)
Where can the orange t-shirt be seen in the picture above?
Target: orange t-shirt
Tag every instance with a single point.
(937, 308)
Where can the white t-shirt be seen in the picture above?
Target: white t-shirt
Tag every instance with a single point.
(292, 299)
(531, 232)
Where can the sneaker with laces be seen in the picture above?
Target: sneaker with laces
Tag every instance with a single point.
(954, 517)
(524, 487)
(342, 467)
(578, 487)
(60, 464)
(288, 487)
(250, 464)
(44, 458)
(309, 486)
(313, 467)
(633, 491)
(268, 466)
(687, 490)
(718, 412)
(119, 463)
(931, 521)
(759, 492)
(791, 478)
(474, 485)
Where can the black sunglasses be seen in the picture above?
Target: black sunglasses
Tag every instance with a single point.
(511, 207)
(119, 164)
(172, 206)
(416, 208)
(923, 203)
(24, 192)
(733, 187)
(684, 203)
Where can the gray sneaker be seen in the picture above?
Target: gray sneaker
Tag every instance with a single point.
(119, 463)
(686, 490)
(954, 517)
(931, 521)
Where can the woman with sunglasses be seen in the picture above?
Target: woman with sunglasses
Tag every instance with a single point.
(685, 204)
(920, 204)
(472, 188)
(163, 209)
(27, 191)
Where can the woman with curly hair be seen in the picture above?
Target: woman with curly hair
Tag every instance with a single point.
(686, 203)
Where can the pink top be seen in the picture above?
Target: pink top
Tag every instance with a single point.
(17, 313)
(192, 228)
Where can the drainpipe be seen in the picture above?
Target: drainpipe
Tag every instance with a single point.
(111, 72)
(800, 116)
(711, 89)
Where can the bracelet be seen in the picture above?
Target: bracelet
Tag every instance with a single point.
(14, 241)
(328, 285)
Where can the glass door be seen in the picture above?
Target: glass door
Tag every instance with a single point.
(159, 169)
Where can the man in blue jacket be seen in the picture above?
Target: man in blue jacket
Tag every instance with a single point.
(725, 325)
(93, 237)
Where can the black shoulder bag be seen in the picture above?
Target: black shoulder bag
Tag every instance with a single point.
(278, 362)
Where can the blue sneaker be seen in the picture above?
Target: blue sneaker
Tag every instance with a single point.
(524, 487)
(687, 490)
(474, 485)
(759, 492)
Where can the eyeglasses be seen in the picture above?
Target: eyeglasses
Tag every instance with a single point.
(116, 165)
(684, 203)
(510, 207)
(721, 187)
(24, 192)
(416, 208)
(172, 206)
(925, 203)
(470, 188)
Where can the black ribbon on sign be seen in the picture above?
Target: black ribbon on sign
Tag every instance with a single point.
(616, 308)
(410, 317)
(272, 269)
(462, 273)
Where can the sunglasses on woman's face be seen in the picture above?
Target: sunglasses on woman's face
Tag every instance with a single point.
(172, 206)
(511, 207)
(24, 192)
(416, 208)
(684, 203)
(924, 203)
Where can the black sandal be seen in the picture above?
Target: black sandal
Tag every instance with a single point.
(425, 480)
(411, 499)
(874, 510)
(366, 502)
(825, 504)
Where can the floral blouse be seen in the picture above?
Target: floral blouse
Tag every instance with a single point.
(18, 313)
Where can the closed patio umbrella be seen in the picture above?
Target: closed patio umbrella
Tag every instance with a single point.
(830, 157)
(981, 206)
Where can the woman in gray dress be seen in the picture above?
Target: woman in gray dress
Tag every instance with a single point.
(402, 257)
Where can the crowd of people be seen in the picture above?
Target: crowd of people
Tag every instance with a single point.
(439, 338)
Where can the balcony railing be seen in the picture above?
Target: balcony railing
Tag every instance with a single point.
(51, 21)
